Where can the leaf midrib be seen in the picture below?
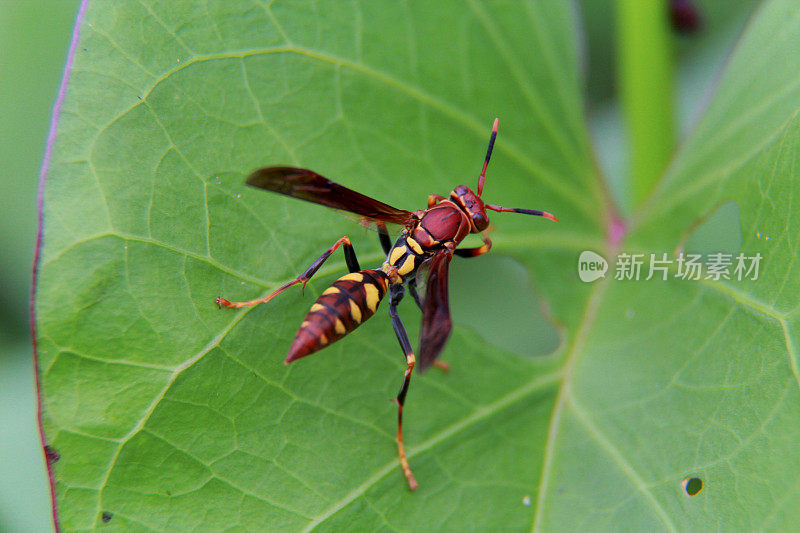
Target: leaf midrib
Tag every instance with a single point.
(564, 398)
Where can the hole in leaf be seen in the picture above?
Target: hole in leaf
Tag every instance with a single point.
(719, 231)
(493, 296)
(692, 485)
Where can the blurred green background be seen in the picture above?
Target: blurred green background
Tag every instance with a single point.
(34, 39)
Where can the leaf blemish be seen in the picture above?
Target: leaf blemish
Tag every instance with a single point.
(106, 517)
(51, 454)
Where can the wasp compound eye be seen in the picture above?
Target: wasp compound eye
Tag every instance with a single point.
(480, 221)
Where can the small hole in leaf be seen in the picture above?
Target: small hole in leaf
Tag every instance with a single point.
(106, 517)
(692, 485)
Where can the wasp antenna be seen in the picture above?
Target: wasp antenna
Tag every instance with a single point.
(534, 212)
(482, 178)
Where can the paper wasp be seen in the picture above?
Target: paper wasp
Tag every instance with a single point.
(426, 245)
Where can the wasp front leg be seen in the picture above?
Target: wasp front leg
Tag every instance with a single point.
(434, 199)
(478, 250)
(349, 257)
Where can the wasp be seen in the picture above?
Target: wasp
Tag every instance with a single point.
(423, 251)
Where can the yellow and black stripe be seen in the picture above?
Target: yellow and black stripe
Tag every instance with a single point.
(351, 300)
(407, 255)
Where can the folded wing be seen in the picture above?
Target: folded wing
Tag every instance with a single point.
(436, 323)
(311, 187)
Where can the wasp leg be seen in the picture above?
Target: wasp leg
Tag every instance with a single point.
(412, 288)
(349, 257)
(383, 235)
(475, 252)
(434, 199)
(405, 344)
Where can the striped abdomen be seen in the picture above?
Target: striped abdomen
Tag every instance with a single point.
(347, 303)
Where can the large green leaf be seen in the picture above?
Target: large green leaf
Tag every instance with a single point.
(170, 413)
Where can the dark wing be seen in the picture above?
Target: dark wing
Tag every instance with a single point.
(311, 187)
(436, 323)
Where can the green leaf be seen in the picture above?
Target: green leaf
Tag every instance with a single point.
(168, 413)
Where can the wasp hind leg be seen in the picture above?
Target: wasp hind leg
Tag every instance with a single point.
(405, 344)
(349, 257)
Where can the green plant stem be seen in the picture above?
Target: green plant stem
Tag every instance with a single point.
(645, 79)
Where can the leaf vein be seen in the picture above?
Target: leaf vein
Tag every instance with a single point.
(473, 418)
(616, 456)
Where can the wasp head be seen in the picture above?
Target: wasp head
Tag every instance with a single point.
(472, 205)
